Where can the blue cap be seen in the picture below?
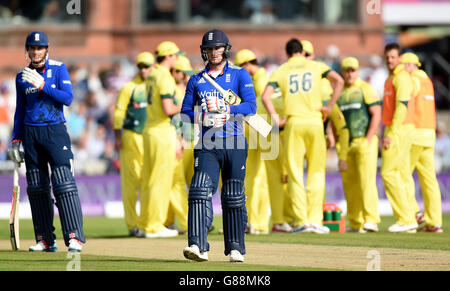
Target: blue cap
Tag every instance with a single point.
(36, 38)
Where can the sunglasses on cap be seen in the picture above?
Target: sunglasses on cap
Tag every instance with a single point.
(143, 66)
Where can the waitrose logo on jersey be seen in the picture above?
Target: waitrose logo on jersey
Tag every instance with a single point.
(205, 94)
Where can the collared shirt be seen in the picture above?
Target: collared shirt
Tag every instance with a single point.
(42, 107)
(160, 85)
(300, 82)
(354, 102)
(130, 112)
(232, 77)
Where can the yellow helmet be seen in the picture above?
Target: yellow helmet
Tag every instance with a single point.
(183, 64)
(410, 58)
(145, 58)
(244, 56)
(307, 47)
(350, 62)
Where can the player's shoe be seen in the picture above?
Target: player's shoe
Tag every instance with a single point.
(75, 245)
(303, 228)
(351, 229)
(193, 253)
(429, 228)
(165, 232)
(319, 229)
(236, 257)
(174, 227)
(133, 232)
(370, 227)
(140, 233)
(420, 218)
(410, 228)
(42, 246)
(284, 227)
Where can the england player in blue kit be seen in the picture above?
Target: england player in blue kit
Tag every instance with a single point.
(221, 150)
(43, 89)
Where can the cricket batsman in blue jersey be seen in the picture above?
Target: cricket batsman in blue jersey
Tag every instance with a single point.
(43, 89)
(221, 150)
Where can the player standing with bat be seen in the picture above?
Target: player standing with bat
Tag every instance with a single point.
(43, 89)
(222, 149)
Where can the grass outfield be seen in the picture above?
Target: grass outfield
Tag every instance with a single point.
(113, 230)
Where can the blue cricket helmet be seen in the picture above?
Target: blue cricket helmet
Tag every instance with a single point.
(36, 38)
(214, 38)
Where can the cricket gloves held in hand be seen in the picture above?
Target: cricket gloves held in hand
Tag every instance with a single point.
(33, 77)
(215, 104)
(14, 152)
(210, 119)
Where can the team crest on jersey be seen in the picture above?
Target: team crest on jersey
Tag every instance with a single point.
(227, 78)
(49, 73)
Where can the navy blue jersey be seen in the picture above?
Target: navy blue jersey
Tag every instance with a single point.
(44, 107)
(232, 77)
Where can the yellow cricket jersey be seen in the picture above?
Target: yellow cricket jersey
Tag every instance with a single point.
(160, 85)
(354, 103)
(130, 106)
(299, 80)
(260, 80)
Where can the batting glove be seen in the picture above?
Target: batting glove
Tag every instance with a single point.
(216, 120)
(215, 104)
(33, 77)
(14, 152)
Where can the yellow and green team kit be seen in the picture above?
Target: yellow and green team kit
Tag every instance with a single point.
(130, 114)
(300, 83)
(159, 152)
(263, 182)
(359, 180)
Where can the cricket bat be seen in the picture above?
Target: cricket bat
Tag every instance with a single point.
(255, 121)
(14, 215)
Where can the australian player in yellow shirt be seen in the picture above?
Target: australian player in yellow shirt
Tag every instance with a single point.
(159, 143)
(263, 182)
(337, 127)
(422, 149)
(361, 107)
(184, 169)
(299, 81)
(397, 116)
(129, 120)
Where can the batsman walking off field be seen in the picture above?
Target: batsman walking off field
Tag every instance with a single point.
(221, 150)
(43, 89)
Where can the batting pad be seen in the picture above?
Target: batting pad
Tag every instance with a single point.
(41, 204)
(68, 203)
(234, 215)
(200, 214)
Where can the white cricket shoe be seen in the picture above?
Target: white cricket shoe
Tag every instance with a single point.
(193, 253)
(42, 246)
(303, 228)
(410, 228)
(283, 227)
(236, 257)
(163, 233)
(370, 227)
(320, 229)
(75, 245)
